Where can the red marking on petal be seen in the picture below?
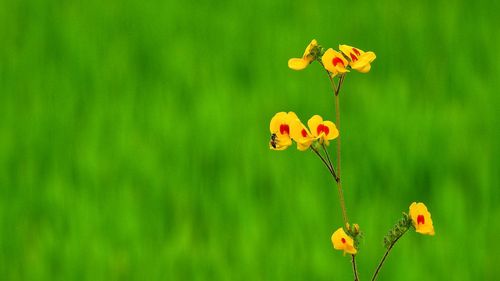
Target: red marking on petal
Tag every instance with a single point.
(356, 51)
(319, 129)
(323, 129)
(343, 240)
(420, 219)
(284, 128)
(304, 133)
(336, 61)
(353, 57)
(326, 130)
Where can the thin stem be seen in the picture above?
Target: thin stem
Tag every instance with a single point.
(328, 157)
(337, 121)
(336, 90)
(330, 168)
(332, 82)
(385, 256)
(339, 182)
(355, 271)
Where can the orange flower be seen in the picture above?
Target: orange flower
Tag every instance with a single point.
(334, 62)
(301, 135)
(341, 241)
(360, 60)
(307, 58)
(322, 130)
(280, 130)
(421, 218)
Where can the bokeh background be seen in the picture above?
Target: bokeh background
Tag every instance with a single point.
(134, 139)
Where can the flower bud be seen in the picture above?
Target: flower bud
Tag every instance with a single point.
(356, 228)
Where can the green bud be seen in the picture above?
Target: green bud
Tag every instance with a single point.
(355, 233)
(397, 230)
(316, 145)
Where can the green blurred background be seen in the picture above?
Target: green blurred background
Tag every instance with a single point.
(134, 139)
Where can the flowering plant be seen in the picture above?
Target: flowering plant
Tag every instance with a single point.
(287, 127)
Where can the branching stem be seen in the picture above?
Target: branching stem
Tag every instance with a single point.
(385, 256)
(329, 167)
(328, 159)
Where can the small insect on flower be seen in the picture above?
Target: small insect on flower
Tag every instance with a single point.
(273, 142)
(280, 130)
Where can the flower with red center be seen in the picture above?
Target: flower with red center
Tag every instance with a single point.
(280, 130)
(334, 62)
(360, 60)
(322, 130)
(341, 241)
(307, 58)
(301, 135)
(421, 218)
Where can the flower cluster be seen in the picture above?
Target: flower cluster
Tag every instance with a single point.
(286, 127)
(336, 62)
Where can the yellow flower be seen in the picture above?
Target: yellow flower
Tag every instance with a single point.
(301, 135)
(307, 58)
(421, 218)
(322, 130)
(341, 241)
(334, 62)
(359, 59)
(280, 130)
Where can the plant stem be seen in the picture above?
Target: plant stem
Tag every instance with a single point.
(355, 271)
(330, 168)
(328, 158)
(339, 182)
(336, 90)
(332, 82)
(385, 256)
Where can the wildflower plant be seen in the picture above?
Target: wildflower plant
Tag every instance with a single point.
(286, 128)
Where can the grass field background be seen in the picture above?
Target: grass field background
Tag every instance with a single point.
(134, 139)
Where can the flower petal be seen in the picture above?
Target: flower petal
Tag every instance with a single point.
(301, 135)
(362, 64)
(341, 241)
(297, 64)
(276, 121)
(304, 146)
(307, 58)
(363, 68)
(332, 130)
(313, 124)
(309, 47)
(291, 117)
(421, 218)
(352, 53)
(334, 62)
(369, 56)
